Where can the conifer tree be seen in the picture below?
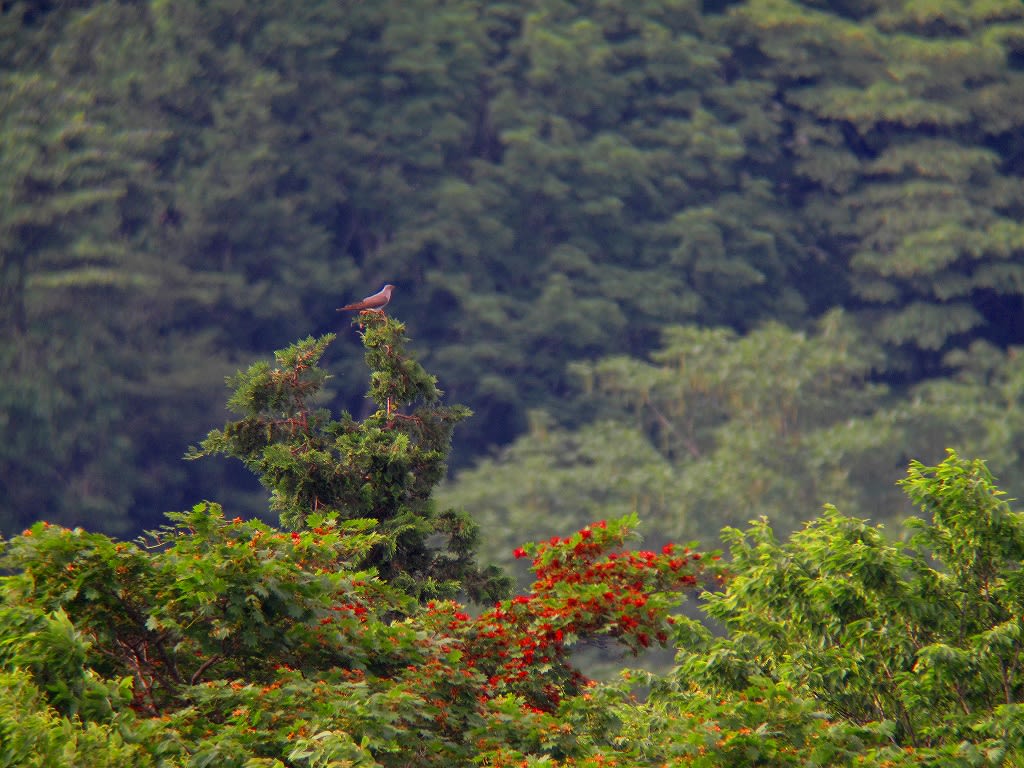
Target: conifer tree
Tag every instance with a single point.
(381, 469)
(64, 179)
(901, 122)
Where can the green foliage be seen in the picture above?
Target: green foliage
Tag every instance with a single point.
(549, 184)
(619, 196)
(921, 640)
(231, 643)
(716, 428)
(33, 735)
(64, 176)
(381, 470)
(86, 304)
(219, 595)
(554, 478)
(218, 642)
(898, 117)
(546, 182)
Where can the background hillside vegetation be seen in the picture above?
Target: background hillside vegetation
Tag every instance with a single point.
(709, 260)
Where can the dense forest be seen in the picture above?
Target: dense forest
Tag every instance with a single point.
(333, 640)
(670, 275)
(703, 260)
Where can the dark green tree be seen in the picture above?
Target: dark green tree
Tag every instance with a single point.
(546, 181)
(622, 188)
(67, 372)
(902, 126)
(382, 469)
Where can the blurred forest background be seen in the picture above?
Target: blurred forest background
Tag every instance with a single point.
(705, 261)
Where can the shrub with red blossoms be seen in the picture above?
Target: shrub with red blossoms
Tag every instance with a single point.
(586, 587)
(230, 636)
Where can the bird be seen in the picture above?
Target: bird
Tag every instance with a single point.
(375, 303)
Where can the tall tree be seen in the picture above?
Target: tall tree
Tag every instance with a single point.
(64, 179)
(817, 613)
(902, 126)
(382, 469)
(629, 191)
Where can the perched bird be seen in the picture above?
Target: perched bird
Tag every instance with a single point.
(375, 303)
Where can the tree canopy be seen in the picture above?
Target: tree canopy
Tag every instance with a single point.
(216, 641)
(546, 183)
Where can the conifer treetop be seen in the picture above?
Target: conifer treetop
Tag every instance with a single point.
(381, 469)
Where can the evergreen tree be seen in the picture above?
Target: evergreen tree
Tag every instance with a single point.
(382, 469)
(549, 181)
(902, 125)
(64, 178)
(627, 189)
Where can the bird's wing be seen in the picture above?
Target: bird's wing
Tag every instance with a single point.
(370, 302)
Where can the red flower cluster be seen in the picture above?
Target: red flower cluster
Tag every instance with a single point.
(584, 587)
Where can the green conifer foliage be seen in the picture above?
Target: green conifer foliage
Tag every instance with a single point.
(633, 180)
(381, 469)
(63, 179)
(901, 122)
(550, 181)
